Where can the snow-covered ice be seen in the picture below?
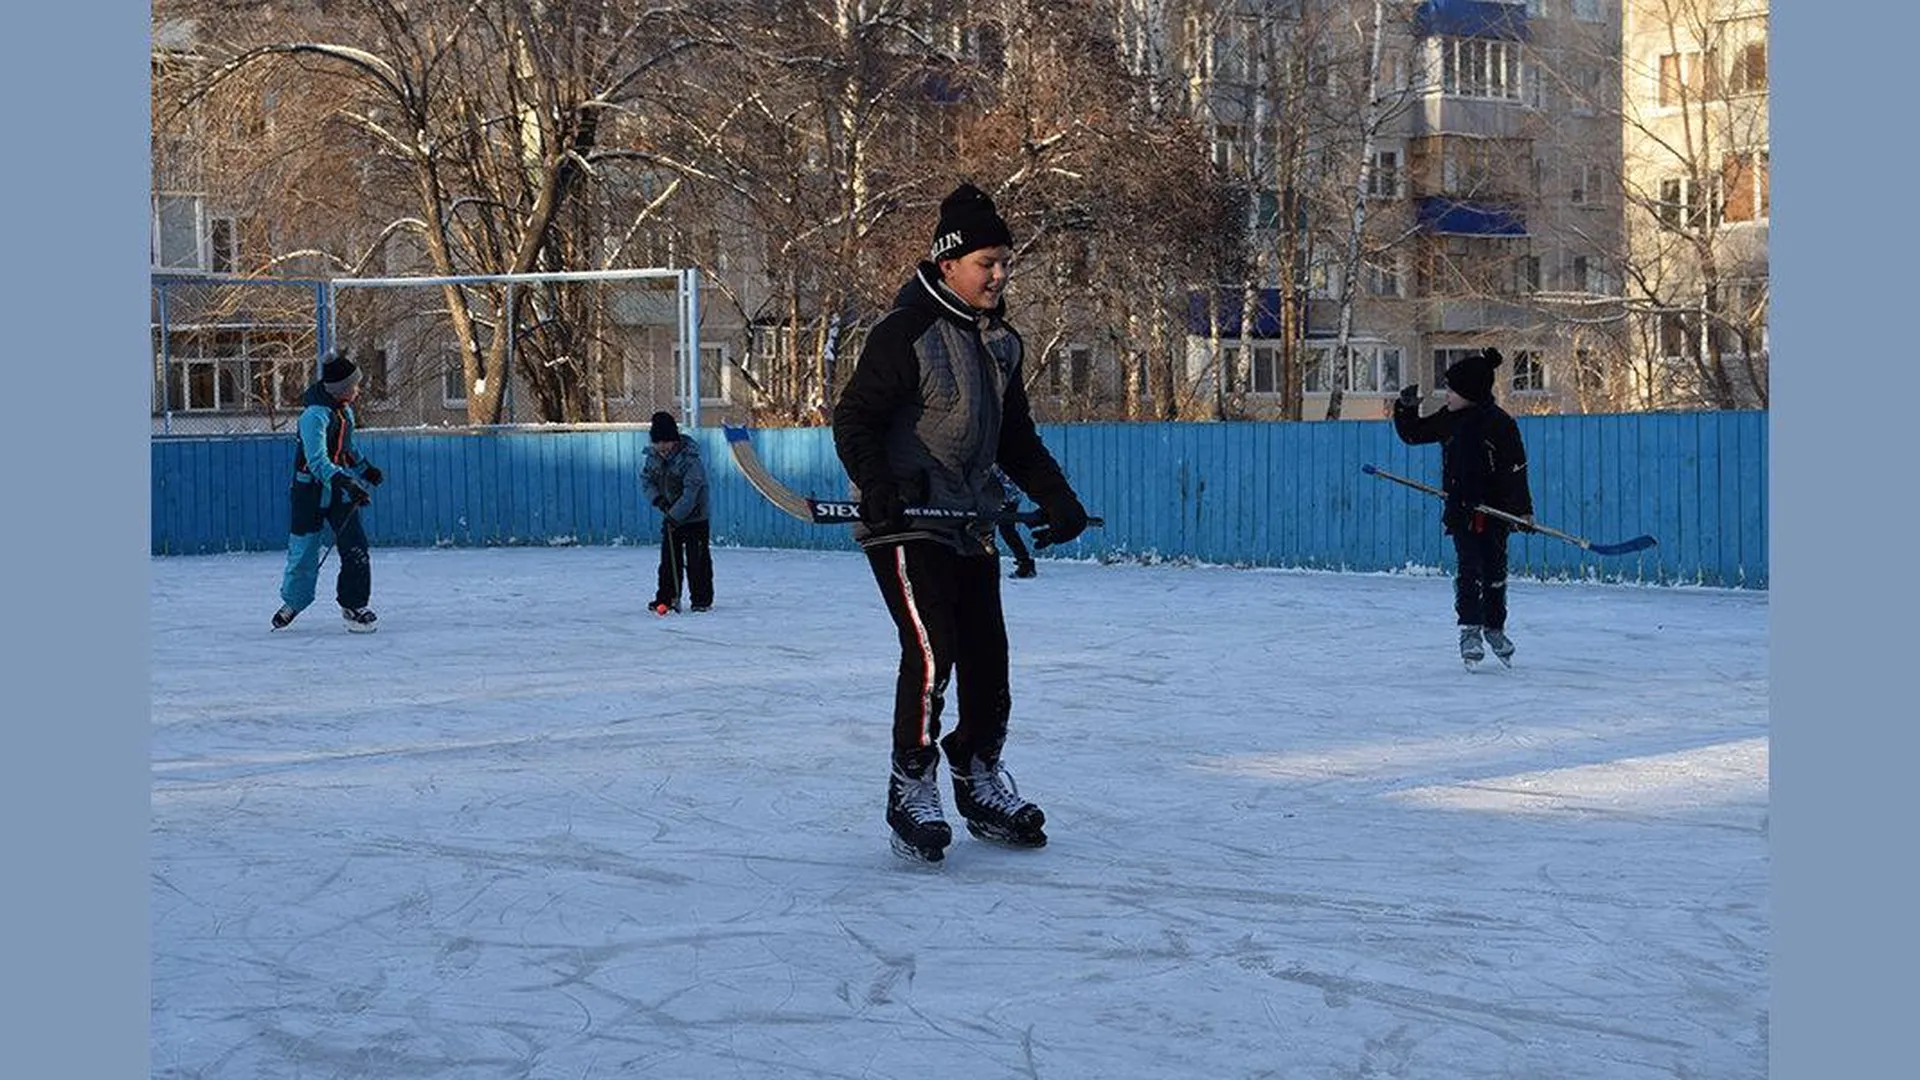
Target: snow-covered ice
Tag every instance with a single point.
(529, 829)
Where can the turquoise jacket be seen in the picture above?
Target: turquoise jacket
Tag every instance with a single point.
(325, 448)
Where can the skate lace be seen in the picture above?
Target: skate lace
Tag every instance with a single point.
(920, 798)
(988, 791)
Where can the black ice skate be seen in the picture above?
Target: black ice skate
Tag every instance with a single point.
(359, 620)
(920, 832)
(282, 617)
(1472, 651)
(985, 795)
(1501, 644)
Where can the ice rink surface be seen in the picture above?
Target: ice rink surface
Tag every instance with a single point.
(529, 829)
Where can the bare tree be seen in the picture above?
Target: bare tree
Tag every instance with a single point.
(474, 128)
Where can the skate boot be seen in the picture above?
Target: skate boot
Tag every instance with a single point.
(984, 793)
(359, 620)
(1501, 644)
(920, 833)
(282, 617)
(1472, 651)
(1024, 569)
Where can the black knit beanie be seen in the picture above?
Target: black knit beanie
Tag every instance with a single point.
(968, 221)
(338, 375)
(664, 429)
(1472, 376)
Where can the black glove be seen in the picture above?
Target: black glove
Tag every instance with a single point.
(1410, 394)
(883, 508)
(661, 504)
(373, 475)
(1066, 519)
(347, 489)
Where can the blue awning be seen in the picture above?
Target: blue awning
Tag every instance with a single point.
(1471, 19)
(1453, 217)
(1266, 313)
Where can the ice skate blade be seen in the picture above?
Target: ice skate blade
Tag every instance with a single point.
(926, 856)
(1006, 838)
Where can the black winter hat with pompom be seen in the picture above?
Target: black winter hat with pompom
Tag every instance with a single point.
(1472, 376)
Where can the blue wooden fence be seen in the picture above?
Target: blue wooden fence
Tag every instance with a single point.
(1257, 494)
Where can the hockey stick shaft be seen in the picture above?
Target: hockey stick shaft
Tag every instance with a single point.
(1638, 543)
(846, 511)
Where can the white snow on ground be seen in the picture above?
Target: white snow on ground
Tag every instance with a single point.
(530, 830)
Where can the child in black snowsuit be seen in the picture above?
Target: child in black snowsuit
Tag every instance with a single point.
(1023, 566)
(1482, 463)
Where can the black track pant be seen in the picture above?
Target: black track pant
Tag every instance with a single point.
(685, 555)
(1480, 588)
(947, 609)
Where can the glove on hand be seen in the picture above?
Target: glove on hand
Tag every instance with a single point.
(373, 475)
(661, 504)
(344, 484)
(1066, 519)
(883, 508)
(1410, 394)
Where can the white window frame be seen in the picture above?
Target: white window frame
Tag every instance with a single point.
(204, 225)
(1529, 367)
(1384, 172)
(719, 352)
(1485, 69)
(1586, 182)
(1070, 370)
(1384, 276)
(453, 382)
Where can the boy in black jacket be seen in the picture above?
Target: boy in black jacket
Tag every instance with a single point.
(934, 403)
(1482, 463)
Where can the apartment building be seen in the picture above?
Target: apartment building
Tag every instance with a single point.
(1488, 209)
(1695, 179)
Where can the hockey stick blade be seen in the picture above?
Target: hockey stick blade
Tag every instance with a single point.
(1624, 547)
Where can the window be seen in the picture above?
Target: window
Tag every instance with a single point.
(1586, 83)
(1587, 10)
(187, 237)
(1071, 370)
(1479, 68)
(1744, 186)
(714, 384)
(1688, 77)
(237, 369)
(1383, 174)
(1229, 146)
(1675, 335)
(1371, 368)
(1383, 277)
(374, 375)
(1749, 74)
(1586, 185)
(1685, 202)
(453, 384)
(1529, 374)
(1526, 274)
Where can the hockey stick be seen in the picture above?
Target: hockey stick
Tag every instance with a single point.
(1624, 547)
(335, 533)
(846, 511)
